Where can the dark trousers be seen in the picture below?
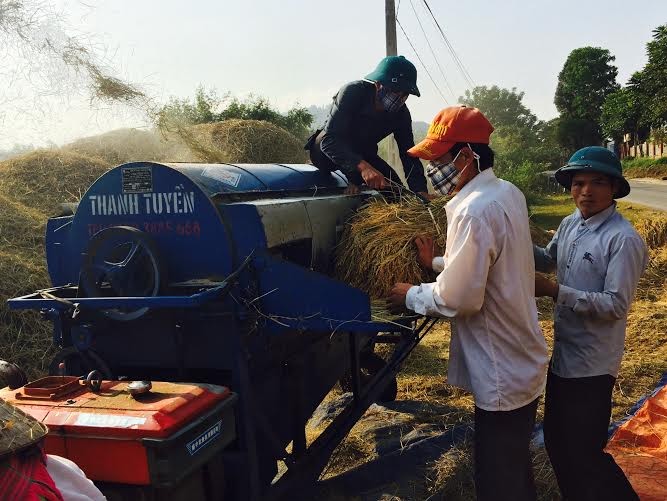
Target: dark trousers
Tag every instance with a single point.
(503, 466)
(576, 420)
(323, 162)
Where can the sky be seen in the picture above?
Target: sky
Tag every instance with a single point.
(301, 51)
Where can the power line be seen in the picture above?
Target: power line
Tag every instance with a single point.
(420, 60)
(444, 77)
(456, 58)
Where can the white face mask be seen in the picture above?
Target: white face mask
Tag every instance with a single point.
(445, 176)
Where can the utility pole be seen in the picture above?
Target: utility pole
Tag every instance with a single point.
(390, 17)
(393, 158)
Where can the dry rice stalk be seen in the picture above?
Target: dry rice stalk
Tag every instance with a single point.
(452, 475)
(377, 248)
(103, 86)
(654, 279)
(653, 231)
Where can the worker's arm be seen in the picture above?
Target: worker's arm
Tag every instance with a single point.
(627, 262)
(546, 258)
(460, 288)
(335, 143)
(412, 167)
(429, 255)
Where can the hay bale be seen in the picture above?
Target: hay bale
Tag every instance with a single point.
(132, 145)
(43, 179)
(377, 247)
(243, 141)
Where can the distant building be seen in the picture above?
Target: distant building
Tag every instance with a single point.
(650, 149)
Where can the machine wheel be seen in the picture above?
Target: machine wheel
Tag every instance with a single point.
(78, 363)
(122, 261)
(372, 363)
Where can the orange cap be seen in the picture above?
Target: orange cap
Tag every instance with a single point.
(455, 124)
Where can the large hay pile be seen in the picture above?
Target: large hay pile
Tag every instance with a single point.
(43, 179)
(231, 141)
(31, 188)
(243, 141)
(132, 145)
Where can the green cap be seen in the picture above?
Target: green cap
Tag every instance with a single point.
(594, 159)
(396, 73)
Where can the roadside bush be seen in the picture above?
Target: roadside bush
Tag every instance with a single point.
(524, 175)
(645, 167)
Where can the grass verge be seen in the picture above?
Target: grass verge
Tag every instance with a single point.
(645, 167)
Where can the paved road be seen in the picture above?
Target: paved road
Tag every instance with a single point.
(649, 192)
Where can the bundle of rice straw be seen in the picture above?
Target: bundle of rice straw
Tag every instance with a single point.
(377, 248)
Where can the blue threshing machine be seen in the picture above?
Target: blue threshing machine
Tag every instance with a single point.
(223, 274)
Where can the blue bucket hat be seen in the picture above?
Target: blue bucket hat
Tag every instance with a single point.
(594, 159)
(396, 73)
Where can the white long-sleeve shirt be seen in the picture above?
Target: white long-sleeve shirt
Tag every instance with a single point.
(497, 350)
(599, 262)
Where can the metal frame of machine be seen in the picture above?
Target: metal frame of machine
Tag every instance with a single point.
(221, 274)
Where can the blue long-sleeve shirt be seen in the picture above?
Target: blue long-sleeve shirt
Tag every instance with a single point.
(598, 262)
(355, 127)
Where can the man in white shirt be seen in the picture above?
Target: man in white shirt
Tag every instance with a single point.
(486, 286)
(599, 258)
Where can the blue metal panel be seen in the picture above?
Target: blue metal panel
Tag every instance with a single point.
(162, 202)
(220, 178)
(57, 239)
(296, 298)
(245, 228)
(238, 178)
(316, 174)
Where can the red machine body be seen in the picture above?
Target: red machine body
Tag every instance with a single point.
(153, 439)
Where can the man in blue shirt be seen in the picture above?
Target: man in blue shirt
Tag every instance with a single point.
(599, 258)
(362, 114)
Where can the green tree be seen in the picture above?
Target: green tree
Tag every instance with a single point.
(524, 145)
(576, 133)
(640, 108)
(503, 107)
(585, 81)
(180, 112)
(519, 136)
(621, 113)
(297, 120)
(651, 82)
(587, 78)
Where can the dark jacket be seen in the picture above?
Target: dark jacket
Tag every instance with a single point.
(355, 127)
